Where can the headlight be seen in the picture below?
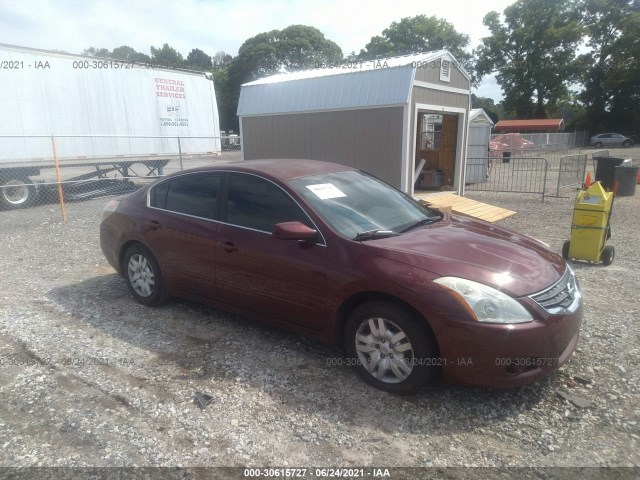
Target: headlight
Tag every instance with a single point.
(548, 247)
(485, 303)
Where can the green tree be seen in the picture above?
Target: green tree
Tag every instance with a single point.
(97, 52)
(221, 60)
(300, 46)
(198, 60)
(293, 48)
(488, 105)
(611, 93)
(532, 54)
(417, 35)
(167, 56)
(128, 54)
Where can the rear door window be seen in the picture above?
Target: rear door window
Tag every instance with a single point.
(194, 194)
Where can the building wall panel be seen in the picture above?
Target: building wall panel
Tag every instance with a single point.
(370, 139)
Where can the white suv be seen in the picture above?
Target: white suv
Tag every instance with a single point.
(610, 140)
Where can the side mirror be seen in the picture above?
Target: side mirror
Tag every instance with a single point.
(293, 231)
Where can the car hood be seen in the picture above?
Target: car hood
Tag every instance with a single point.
(455, 246)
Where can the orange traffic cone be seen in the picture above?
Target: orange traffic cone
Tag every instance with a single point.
(587, 182)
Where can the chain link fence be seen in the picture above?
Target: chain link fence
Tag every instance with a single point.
(532, 144)
(62, 169)
(557, 141)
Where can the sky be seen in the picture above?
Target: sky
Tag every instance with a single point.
(215, 25)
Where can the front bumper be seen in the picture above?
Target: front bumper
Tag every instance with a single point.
(506, 356)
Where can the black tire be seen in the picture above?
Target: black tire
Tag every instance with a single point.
(608, 254)
(17, 192)
(565, 249)
(143, 276)
(627, 143)
(419, 357)
(597, 145)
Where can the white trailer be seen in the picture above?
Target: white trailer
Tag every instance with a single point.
(103, 114)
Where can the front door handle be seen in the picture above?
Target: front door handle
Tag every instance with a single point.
(230, 247)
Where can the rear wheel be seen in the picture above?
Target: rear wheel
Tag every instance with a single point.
(598, 145)
(608, 254)
(18, 192)
(565, 249)
(389, 347)
(143, 276)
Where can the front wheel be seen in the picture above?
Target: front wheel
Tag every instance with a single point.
(565, 249)
(627, 144)
(608, 254)
(143, 276)
(597, 145)
(392, 351)
(18, 192)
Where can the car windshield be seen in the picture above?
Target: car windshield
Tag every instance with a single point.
(360, 206)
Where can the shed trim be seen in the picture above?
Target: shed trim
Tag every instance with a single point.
(460, 154)
(369, 107)
(404, 161)
(444, 88)
(241, 140)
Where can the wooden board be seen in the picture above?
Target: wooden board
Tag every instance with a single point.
(464, 206)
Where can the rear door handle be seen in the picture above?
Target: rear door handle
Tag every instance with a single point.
(152, 224)
(230, 247)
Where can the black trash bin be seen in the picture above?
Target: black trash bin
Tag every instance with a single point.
(627, 178)
(506, 157)
(606, 171)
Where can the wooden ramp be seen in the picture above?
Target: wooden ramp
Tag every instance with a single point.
(464, 206)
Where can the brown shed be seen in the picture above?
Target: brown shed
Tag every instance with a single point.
(404, 119)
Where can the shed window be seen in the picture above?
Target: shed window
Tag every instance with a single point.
(431, 131)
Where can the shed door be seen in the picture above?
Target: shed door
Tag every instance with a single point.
(436, 143)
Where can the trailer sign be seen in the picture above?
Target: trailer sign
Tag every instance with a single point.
(166, 87)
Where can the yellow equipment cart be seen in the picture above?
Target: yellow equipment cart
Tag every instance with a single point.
(590, 229)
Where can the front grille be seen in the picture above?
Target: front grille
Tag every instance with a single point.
(561, 297)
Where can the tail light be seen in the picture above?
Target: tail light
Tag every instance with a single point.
(109, 208)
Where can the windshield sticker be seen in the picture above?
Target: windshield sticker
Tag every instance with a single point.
(325, 191)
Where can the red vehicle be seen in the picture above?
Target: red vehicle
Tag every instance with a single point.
(332, 252)
(509, 142)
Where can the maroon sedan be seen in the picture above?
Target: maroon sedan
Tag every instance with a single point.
(332, 252)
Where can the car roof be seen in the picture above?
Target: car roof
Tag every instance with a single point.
(283, 169)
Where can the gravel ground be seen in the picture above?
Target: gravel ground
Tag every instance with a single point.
(88, 377)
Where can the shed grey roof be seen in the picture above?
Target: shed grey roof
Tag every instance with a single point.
(371, 83)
